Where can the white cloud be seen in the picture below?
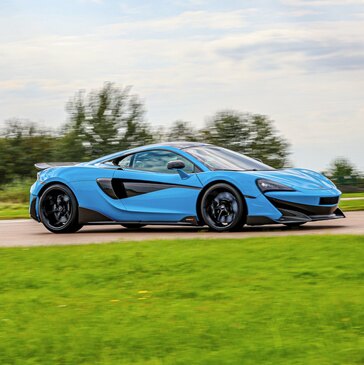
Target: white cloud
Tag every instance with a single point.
(92, 1)
(185, 21)
(316, 3)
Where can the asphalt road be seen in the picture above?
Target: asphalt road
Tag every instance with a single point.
(30, 233)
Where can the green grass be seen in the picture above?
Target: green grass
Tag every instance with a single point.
(14, 200)
(16, 192)
(352, 205)
(353, 195)
(291, 300)
(14, 210)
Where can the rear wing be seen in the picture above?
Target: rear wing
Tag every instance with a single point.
(46, 165)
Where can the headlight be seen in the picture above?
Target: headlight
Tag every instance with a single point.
(269, 185)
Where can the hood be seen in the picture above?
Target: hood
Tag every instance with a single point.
(297, 178)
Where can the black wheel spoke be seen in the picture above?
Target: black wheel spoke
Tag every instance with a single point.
(57, 208)
(222, 207)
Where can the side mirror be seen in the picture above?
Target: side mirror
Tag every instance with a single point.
(176, 165)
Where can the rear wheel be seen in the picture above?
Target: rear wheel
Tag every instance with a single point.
(133, 225)
(222, 208)
(58, 210)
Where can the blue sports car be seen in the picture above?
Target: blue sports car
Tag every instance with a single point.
(179, 183)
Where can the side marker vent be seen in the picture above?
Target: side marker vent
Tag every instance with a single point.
(329, 200)
(114, 188)
(106, 186)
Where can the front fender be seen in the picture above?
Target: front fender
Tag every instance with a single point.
(243, 181)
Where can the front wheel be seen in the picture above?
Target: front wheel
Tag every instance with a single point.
(222, 208)
(58, 210)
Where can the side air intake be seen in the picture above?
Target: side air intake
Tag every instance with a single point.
(114, 188)
(329, 200)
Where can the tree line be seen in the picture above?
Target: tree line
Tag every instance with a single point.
(112, 118)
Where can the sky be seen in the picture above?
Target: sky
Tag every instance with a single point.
(301, 62)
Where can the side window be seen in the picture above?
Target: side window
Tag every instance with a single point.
(125, 163)
(157, 160)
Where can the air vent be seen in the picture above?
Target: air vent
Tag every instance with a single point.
(106, 186)
(329, 200)
(114, 188)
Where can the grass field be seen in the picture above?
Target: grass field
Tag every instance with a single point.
(352, 205)
(291, 300)
(16, 192)
(14, 210)
(14, 200)
(353, 195)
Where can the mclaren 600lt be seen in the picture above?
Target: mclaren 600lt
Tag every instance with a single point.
(180, 183)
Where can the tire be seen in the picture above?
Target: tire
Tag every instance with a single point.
(222, 208)
(133, 225)
(58, 209)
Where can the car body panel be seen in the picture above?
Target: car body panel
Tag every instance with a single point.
(173, 197)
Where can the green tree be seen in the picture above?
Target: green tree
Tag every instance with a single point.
(134, 132)
(72, 144)
(106, 120)
(228, 129)
(4, 173)
(265, 144)
(24, 143)
(182, 131)
(343, 172)
(251, 134)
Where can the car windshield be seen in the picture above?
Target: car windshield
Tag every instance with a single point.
(218, 158)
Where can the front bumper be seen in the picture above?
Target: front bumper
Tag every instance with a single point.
(291, 216)
(295, 212)
(33, 208)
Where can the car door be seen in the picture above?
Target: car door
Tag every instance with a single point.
(153, 193)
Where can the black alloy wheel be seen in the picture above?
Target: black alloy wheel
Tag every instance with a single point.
(222, 208)
(59, 210)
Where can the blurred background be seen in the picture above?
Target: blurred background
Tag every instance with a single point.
(281, 81)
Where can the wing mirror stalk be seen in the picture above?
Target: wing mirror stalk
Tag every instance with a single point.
(178, 165)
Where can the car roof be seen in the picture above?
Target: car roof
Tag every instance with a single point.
(179, 145)
(175, 145)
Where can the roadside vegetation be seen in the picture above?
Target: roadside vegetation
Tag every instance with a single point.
(17, 191)
(353, 195)
(14, 211)
(352, 205)
(14, 200)
(282, 300)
